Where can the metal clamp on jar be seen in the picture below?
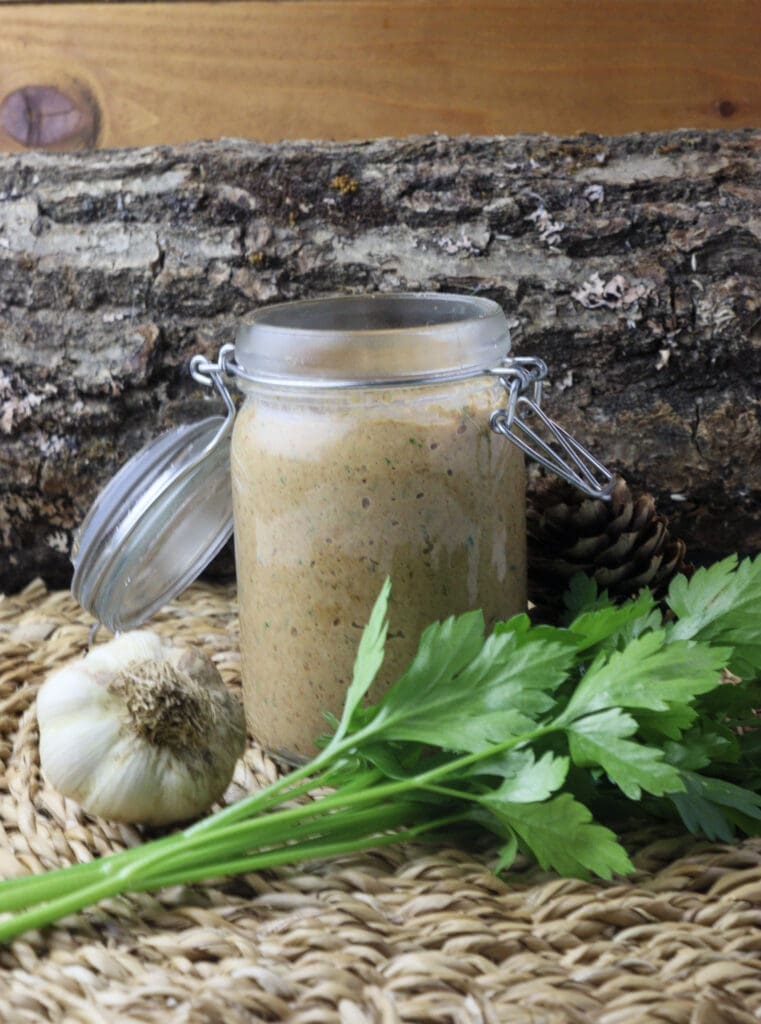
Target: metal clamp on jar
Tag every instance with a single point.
(370, 443)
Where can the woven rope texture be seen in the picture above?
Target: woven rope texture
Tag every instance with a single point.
(412, 934)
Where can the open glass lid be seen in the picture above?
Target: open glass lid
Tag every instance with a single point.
(157, 524)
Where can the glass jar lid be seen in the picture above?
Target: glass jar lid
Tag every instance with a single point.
(156, 525)
(360, 340)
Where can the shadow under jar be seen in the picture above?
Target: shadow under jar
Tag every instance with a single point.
(364, 450)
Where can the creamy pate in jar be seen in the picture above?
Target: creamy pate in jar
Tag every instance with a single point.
(364, 450)
(380, 436)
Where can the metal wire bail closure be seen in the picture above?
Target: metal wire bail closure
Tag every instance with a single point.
(210, 375)
(522, 378)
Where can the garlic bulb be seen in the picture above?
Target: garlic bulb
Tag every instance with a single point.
(140, 731)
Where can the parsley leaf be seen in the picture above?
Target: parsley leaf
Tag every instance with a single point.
(600, 739)
(610, 623)
(466, 694)
(705, 744)
(562, 836)
(720, 605)
(671, 722)
(526, 780)
(704, 806)
(368, 659)
(649, 673)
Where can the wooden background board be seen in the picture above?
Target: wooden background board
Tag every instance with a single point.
(77, 75)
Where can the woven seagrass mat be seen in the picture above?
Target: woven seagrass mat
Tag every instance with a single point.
(406, 935)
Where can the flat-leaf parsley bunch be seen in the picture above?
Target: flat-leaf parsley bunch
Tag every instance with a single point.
(543, 737)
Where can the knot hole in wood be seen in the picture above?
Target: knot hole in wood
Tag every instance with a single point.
(51, 116)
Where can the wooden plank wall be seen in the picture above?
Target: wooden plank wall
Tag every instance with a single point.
(94, 74)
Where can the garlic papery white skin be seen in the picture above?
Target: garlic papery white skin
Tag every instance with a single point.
(140, 731)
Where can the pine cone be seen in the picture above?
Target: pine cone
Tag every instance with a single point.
(624, 544)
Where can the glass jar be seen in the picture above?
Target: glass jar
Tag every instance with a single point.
(370, 443)
(364, 450)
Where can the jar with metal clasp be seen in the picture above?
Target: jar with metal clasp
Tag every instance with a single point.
(371, 441)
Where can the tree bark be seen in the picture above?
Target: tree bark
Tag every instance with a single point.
(631, 265)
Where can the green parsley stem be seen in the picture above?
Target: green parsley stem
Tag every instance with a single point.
(341, 799)
(135, 863)
(17, 893)
(48, 912)
(351, 824)
(294, 854)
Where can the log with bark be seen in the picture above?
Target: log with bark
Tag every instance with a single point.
(632, 265)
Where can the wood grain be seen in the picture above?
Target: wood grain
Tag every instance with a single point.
(169, 72)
